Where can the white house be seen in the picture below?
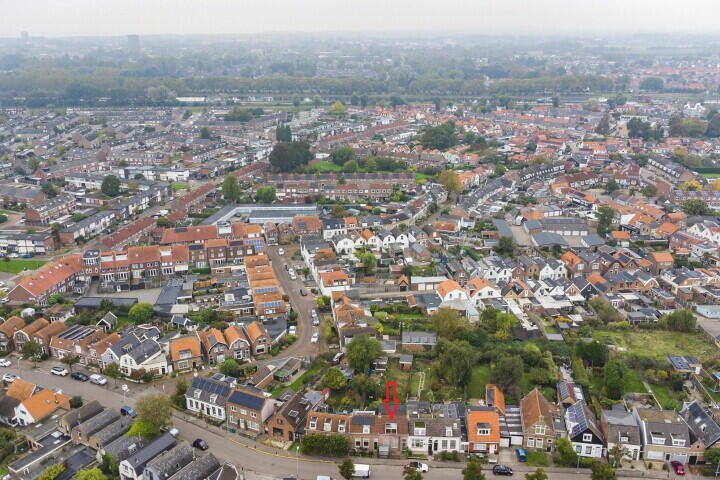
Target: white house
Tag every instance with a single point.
(208, 397)
(148, 356)
(451, 290)
(428, 436)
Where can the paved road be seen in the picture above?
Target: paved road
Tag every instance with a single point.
(301, 304)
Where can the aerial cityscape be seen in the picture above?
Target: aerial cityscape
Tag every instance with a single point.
(247, 241)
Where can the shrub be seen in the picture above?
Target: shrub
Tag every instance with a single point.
(76, 402)
(334, 445)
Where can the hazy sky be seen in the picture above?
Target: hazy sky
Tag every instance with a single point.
(120, 17)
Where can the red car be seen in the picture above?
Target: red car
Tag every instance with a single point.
(677, 467)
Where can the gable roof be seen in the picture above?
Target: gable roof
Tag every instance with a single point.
(534, 408)
(483, 418)
(180, 344)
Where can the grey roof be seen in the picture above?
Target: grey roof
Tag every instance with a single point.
(124, 446)
(171, 461)
(621, 423)
(543, 239)
(701, 423)
(112, 431)
(145, 350)
(227, 472)
(138, 461)
(362, 419)
(76, 417)
(682, 363)
(199, 469)
(98, 422)
(425, 338)
(209, 391)
(126, 343)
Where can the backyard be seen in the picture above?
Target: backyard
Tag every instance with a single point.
(479, 378)
(17, 266)
(663, 343)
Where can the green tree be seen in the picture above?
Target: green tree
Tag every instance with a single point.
(649, 190)
(602, 471)
(617, 452)
(230, 188)
(652, 84)
(90, 474)
(594, 353)
(140, 313)
(538, 474)
(450, 180)
(342, 155)
(565, 455)
(265, 195)
(338, 109)
(283, 133)
(603, 126)
(154, 409)
(334, 379)
(32, 350)
(505, 247)
(113, 371)
(70, 360)
(347, 468)
(611, 186)
(110, 186)
(440, 137)
(680, 321)
(614, 379)
(410, 473)
(501, 325)
(713, 126)
(447, 321)
(506, 373)
(455, 361)
(52, 472)
(695, 206)
(473, 470)
(230, 367)
(109, 466)
(362, 352)
(605, 217)
(369, 262)
(205, 133)
(366, 387)
(181, 388)
(338, 211)
(289, 156)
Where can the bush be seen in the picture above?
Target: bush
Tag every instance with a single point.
(537, 458)
(76, 402)
(333, 445)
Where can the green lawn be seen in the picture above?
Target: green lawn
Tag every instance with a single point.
(17, 265)
(180, 186)
(400, 376)
(322, 167)
(479, 378)
(711, 175)
(302, 380)
(663, 343)
(421, 178)
(633, 383)
(665, 397)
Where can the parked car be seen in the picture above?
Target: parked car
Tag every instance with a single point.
(128, 412)
(200, 444)
(292, 330)
(79, 376)
(521, 455)
(281, 251)
(60, 371)
(316, 322)
(677, 467)
(502, 470)
(315, 338)
(4, 362)
(303, 292)
(13, 255)
(9, 377)
(420, 467)
(98, 379)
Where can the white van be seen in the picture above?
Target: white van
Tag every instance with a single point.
(98, 379)
(361, 471)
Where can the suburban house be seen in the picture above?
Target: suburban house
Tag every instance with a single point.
(247, 410)
(185, 353)
(620, 428)
(207, 397)
(583, 431)
(7, 332)
(537, 416)
(483, 430)
(665, 436)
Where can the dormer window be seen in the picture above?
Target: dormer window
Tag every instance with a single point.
(341, 426)
(366, 428)
(391, 428)
(313, 423)
(587, 437)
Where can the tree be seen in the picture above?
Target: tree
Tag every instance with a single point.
(538, 474)
(505, 247)
(265, 195)
(52, 472)
(366, 387)
(76, 401)
(70, 360)
(143, 429)
(455, 361)
(90, 474)
(605, 216)
(501, 324)
(288, 156)
(440, 137)
(181, 388)
(695, 206)
(649, 190)
(410, 473)
(713, 126)
(230, 367)
(507, 372)
(230, 188)
(565, 455)
(712, 456)
(369, 262)
(109, 466)
(347, 468)
(113, 371)
(611, 186)
(556, 101)
(110, 186)
(614, 379)
(602, 471)
(140, 313)
(680, 321)
(205, 133)
(450, 180)
(155, 409)
(342, 155)
(283, 133)
(31, 350)
(334, 444)
(334, 379)
(447, 321)
(473, 471)
(652, 83)
(594, 353)
(362, 352)
(603, 126)
(338, 211)
(617, 452)
(338, 109)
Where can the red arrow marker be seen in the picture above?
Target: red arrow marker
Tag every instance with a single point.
(391, 403)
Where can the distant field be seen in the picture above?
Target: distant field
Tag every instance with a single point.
(17, 266)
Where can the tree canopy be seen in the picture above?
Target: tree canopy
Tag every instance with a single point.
(265, 195)
(140, 313)
(289, 156)
(440, 137)
(110, 186)
(362, 352)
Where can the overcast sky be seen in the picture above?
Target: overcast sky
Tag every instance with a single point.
(120, 17)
